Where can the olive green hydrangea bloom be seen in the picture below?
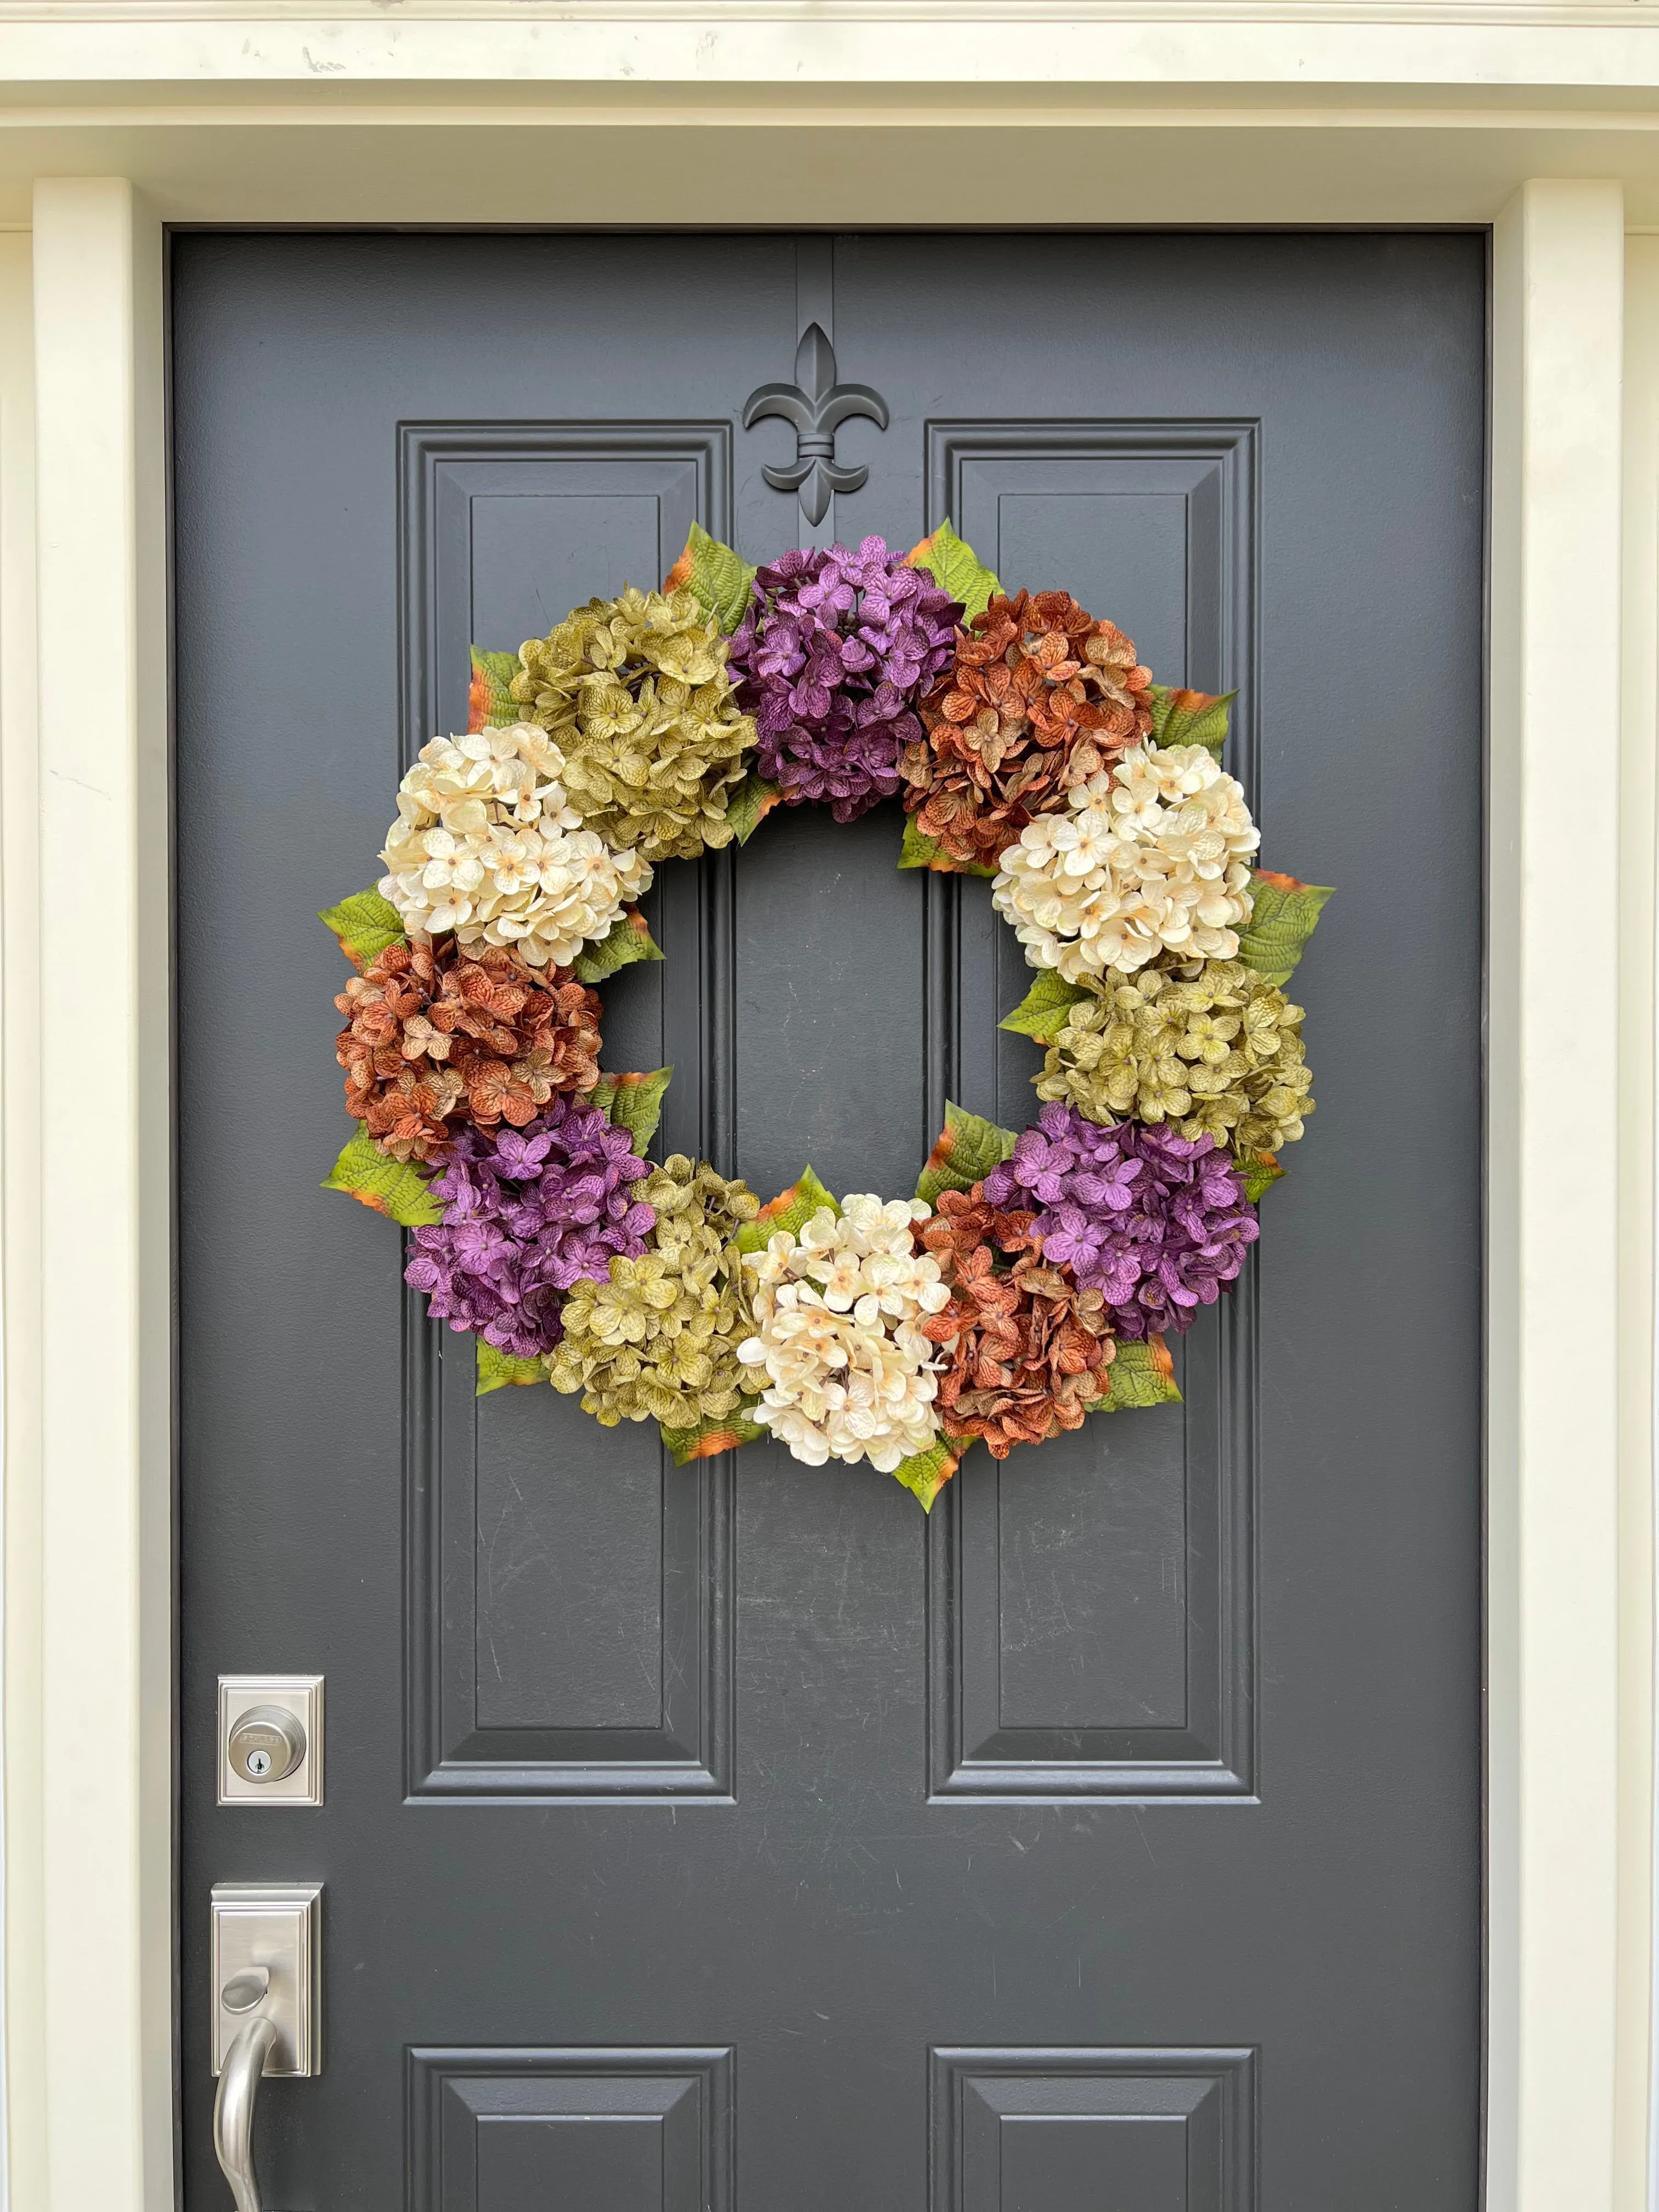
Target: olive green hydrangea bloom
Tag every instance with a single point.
(635, 694)
(1209, 1047)
(658, 1341)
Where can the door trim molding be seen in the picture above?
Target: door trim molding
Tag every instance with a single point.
(87, 1167)
(1554, 1458)
(93, 1359)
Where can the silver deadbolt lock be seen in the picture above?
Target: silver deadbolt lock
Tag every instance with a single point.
(270, 1739)
(266, 1744)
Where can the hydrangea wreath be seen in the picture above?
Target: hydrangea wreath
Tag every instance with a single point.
(1036, 1275)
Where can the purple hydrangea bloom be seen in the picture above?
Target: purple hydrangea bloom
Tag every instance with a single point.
(526, 1211)
(834, 654)
(1156, 1221)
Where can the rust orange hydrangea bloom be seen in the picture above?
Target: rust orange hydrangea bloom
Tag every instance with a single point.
(1027, 1349)
(1042, 695)
(436, 1034)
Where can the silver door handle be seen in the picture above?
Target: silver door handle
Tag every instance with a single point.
(265, 2011)
(232, 2108)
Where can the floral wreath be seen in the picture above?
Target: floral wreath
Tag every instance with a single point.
(1034, 1276)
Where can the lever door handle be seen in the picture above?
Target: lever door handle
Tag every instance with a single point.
(233, 2110)
(266, 2016)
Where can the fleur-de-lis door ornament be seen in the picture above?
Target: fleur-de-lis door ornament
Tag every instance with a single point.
(817, 406)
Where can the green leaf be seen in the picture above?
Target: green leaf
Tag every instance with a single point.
(489, 701)
(956, 569)
(920, 851)
(633, 1103)
(1284, 916)
(791, 1209)
(715, 577)
(925, 1473)
(363, 925)
(627, 941)
(390, 1186)
(1043, 1012)
(711, 1438)
(751, 802)
(1190, 718)
(1259, 1173)
(969, 1147)
(496, 1369)
(1140, 1375)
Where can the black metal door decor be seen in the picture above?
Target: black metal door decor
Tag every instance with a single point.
(817, 406)
(1033, 1276)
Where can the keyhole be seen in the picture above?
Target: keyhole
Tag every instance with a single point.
(258, 1765)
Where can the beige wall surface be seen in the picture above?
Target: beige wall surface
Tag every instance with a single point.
(118, 116)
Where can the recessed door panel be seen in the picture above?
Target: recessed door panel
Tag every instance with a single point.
(630, 2130)
(1080, 2130)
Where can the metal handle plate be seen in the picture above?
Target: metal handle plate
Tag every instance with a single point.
(266, 2010)
(269, 1929)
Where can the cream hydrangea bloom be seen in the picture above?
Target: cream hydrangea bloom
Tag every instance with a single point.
(1150, 857)
(486, 844)
(838, 1355)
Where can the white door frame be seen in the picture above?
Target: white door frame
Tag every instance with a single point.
(114, 117)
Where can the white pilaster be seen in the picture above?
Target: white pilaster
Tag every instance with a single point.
(1553, 1196)
(105, 1150)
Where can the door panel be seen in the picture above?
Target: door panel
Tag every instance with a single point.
(1075, 2131)
(729, 1834)
(632, 2130)
(1093, 1638)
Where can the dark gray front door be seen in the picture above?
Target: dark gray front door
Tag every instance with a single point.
(731, 1836)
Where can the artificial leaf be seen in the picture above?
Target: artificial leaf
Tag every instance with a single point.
(791, 1209)
(969, 1147)
(489, 701)
(1190, 718)
(710, 1437)
(363, 925)
(751, 802)
(1043, 1011)
(1283, 916)
(1140, 1375)
(955, 568)
(920, 851)
(1259, 1173)
(496, 1369)
(714, 576)
(628, 940)
(633, 1103)
(925, 1473)
(390, 1186)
